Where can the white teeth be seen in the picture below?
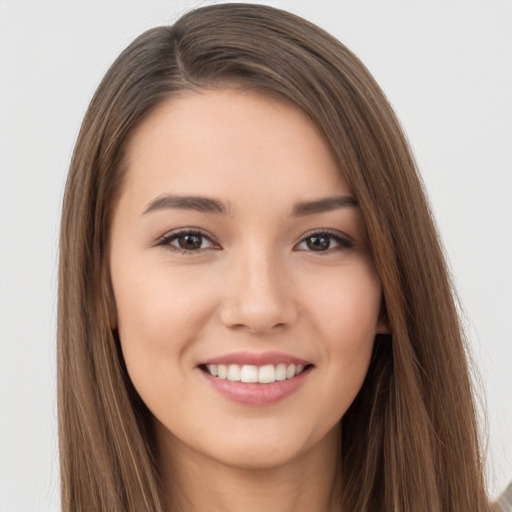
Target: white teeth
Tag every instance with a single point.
(267, 374)
(256, 374)
(249, 373)
(281, 371)
(222, 371)
(234, 372)
(212, 368)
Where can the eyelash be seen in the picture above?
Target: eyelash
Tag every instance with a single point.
(342, 241)
(166, 240)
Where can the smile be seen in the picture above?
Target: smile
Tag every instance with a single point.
(248, 373)
(256, 379)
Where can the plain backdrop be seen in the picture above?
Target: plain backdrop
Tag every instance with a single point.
(447, 69)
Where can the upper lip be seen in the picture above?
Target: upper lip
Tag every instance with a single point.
(255, 359)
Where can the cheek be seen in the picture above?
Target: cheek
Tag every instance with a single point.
(347, 306)
(347, 319)
(160, 310)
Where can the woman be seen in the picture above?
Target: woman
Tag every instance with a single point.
(254, 310)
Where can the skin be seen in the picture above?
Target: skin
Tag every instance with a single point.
(254, 284)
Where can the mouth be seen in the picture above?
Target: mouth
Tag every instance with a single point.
(253, 374)
(256, 379)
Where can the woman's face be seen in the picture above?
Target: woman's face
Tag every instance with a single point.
(238, 254)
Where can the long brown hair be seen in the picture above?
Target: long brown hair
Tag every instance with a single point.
(410, 440)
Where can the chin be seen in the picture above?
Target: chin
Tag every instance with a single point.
(259, 456)
(270, 449)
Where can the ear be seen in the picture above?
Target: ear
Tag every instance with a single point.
(383, 326)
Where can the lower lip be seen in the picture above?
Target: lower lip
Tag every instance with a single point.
(256, 394)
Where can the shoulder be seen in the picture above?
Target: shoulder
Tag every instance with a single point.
(504, 501)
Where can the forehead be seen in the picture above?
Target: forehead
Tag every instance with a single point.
(227, 142)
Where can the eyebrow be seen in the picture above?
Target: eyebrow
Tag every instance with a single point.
(197, 203)
(323, 205)
(209, 205)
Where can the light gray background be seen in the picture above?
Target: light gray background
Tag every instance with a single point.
(446, 67)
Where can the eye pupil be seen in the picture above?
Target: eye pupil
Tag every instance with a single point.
(190, 242)
(318, 242)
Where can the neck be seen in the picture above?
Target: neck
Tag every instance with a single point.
(310, 481)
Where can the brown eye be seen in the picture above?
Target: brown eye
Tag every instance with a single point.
(318, 242)
(324, 241)
(187, 242)
(190, 242)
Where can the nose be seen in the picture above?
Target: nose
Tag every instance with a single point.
(259, 295)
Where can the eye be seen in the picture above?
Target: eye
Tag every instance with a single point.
(323, 241)
(187, 242)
